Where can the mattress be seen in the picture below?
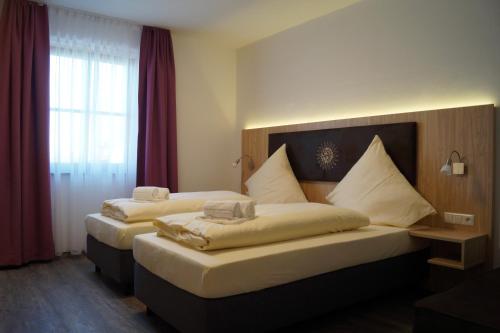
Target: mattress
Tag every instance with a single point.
(115, 233)
(221, 273)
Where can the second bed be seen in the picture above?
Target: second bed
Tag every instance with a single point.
(109, 241)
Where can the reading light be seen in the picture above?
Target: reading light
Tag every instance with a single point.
(450, 168)
(250, 162)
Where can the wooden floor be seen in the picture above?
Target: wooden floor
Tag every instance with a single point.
(67, 296)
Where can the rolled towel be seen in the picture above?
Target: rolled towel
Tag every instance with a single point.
(247, 209)
(150, 193)
(222, 209)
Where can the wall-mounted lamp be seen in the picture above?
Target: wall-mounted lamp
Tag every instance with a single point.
(250, 164)
(453, 168)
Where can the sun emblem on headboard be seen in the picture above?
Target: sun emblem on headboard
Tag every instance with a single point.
(327, 155)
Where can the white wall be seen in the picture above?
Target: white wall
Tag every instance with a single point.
(375, 57)
(206, 113)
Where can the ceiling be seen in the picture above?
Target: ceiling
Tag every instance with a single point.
(234, 22)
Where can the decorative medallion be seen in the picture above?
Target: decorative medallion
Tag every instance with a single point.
(327, 155)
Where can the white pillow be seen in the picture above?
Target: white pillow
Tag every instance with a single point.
(375, 187)
(275, 182)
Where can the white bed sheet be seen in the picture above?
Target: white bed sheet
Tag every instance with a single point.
(221, 273)
(115, 233)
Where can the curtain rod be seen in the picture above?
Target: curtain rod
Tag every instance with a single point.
(47, 3)
(86, 12)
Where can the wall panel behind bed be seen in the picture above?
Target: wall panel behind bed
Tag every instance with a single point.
(470, 130)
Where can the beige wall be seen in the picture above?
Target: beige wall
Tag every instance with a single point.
(206, 113)
(375, 57)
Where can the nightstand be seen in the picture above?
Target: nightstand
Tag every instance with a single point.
(455, 255)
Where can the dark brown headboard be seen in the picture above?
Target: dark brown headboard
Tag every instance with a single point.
(328, 154)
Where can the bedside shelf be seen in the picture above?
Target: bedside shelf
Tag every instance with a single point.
(470, 247)
(456, 264)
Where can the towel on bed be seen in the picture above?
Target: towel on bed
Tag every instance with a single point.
(229, 209)
(150, 193)
(247, 209)
(274, 223)
(128, 210)
(221, 209)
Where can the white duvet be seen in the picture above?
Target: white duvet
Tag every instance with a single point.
(128, 210)
(274, 223)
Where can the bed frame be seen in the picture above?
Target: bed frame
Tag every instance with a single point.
(113, 263)
(285, 304)
(278, 306)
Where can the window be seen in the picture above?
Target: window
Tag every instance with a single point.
(89, 109)
(94, 73)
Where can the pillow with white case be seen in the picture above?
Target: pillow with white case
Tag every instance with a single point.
(275, 181)
(375, 187)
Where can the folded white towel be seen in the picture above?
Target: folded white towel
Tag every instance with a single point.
(222, 209)
(247, 208)
(229, 210)
(150, 193)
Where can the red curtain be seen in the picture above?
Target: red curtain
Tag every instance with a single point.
(157, 141)
(25, 222)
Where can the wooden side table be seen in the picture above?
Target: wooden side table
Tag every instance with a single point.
(455, 255)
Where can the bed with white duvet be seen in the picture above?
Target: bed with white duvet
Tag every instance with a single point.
(294, 260)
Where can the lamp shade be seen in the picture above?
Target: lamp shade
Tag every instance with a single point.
(235, 163)
(446, 168)
(250, 164)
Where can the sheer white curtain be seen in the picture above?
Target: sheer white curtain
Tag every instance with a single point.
(93, 117)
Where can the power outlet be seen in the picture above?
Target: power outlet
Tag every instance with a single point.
(456, 218)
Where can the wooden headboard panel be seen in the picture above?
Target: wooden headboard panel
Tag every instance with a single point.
(470, 130)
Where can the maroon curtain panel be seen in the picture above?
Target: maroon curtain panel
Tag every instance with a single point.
(25, 224)
(157, 140)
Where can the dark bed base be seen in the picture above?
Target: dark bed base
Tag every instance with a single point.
(281, 305)
(114, 263)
